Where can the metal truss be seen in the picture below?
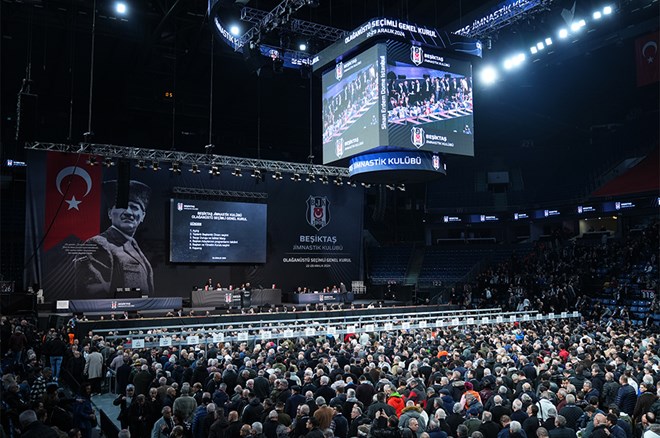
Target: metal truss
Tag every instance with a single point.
(279, 15)
(218, 193)
(513, 15)
(134, 153)
(300, 27)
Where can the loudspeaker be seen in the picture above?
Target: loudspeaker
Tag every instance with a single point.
(123, 183)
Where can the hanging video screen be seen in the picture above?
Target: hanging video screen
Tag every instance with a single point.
(429, 100)
(204, 231)
(351, 109)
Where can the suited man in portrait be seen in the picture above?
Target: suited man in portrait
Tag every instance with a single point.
(115, 259)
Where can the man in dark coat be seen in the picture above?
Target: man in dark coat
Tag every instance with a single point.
(626, 398)
(33, 428)
(560, 430)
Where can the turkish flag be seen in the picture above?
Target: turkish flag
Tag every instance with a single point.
(73, 198)
(646, 58)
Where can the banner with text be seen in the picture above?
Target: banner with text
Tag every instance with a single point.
(80, 245)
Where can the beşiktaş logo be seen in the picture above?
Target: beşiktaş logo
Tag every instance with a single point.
(179, 206)
(339, 147)
(416, 55)
(436, 162)
(339, 71)
(318, 211)
(417, 136)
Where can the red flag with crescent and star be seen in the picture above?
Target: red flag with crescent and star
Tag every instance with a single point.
(646, 58)
(73, 198)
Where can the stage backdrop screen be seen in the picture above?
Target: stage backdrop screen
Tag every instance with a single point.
(203, 231)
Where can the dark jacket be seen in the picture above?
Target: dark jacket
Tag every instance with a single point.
(38, 430)
(626, 399)
(489, 429)
(562, 432)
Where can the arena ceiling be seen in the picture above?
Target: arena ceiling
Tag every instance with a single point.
(152, 74)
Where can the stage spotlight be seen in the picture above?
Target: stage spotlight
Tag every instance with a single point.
(597, 15)
(155, 166)
(235, 30)
(533, 50)
(256, 173)
(214, 170)
(176, 168)
(365, 185)
(577, 25)
(92, 161)
(121, 8)
(302, 47)
(563, 33)
(390, 186)
(520, 58)
(311, 178)
(295, 177)
(338, 181)
(324, 179)
(237, 172)
(108, 162)
(141, 164)
(352, 183)
(540, 46)
(607, 10)
(194, 169)
(277, 175)
(488, 75)
(548, 41)
(401, 187)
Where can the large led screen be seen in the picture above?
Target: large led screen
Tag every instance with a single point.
(203, 231)
(351, 105)
(429, 100)
(395, 95)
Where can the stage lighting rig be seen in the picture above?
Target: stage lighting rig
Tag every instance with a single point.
(175, 168)
(237, 172)
(92, 161)
(108, 162)
(155, 166)
(215, 170)
(141, 164)
(295, 177)
(194, 169)
(277, 176)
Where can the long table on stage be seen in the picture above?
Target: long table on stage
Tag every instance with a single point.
(314, 298)
(227, 298)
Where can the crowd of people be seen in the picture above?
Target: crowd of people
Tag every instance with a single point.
(567, 275)
(340, 109)
(552, 378)
(592, 377)
(412, 98)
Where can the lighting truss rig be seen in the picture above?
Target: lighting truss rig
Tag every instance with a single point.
(134, 153)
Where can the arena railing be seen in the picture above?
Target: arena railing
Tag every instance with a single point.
(200, 336)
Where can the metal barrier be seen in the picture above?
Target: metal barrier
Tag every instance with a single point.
(251, 331)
